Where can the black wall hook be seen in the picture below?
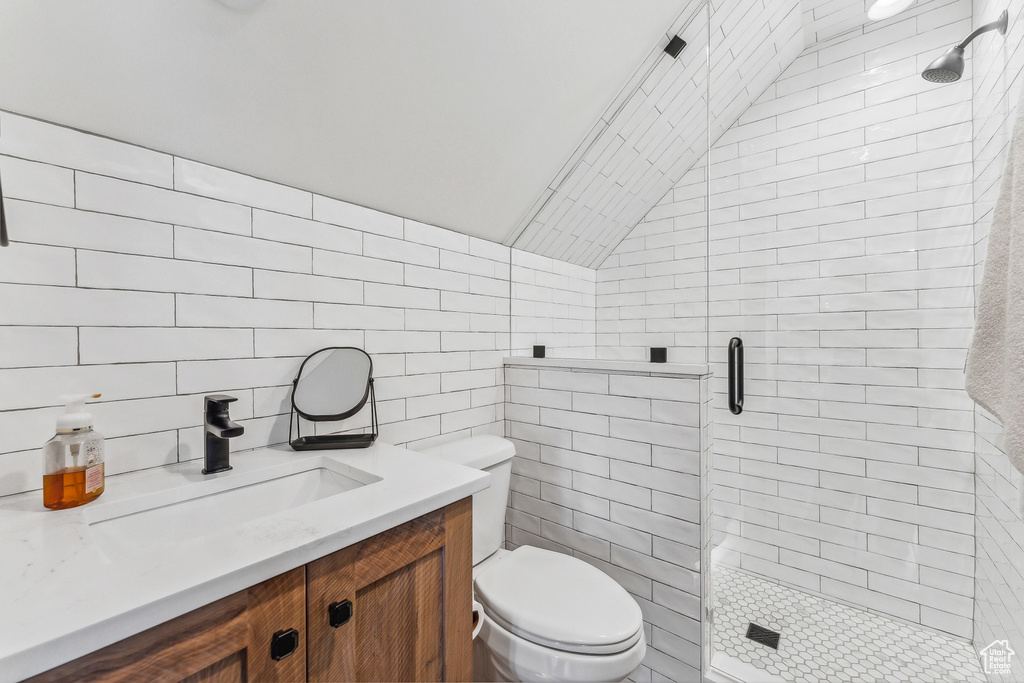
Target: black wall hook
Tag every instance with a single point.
(675, 46)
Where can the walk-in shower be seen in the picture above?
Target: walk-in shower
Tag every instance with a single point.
(841, 249)
(950, 66)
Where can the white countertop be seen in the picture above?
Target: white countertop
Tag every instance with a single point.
(629, 366)
(61, 597)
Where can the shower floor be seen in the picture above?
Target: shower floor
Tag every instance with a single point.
(825, 641)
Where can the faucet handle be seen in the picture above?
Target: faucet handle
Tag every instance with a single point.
(218, 403)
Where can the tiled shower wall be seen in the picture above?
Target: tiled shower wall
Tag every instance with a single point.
(999, 584)
(652, 290)
(155, 280)
(553, 303)
(840, 251)
(608, 468)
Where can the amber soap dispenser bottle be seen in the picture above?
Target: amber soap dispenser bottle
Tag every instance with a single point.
(73, 458)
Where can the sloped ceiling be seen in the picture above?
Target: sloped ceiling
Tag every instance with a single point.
(475, 116)
(643, 145)
(451, 112)
(650, 137)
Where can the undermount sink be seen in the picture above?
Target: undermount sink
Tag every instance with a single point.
(208, 506)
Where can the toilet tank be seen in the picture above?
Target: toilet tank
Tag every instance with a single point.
(492, 454)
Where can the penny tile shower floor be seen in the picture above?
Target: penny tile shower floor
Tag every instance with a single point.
(826, 641)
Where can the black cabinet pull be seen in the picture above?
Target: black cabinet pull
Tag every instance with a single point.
(736, 375)
(284, 643)
(339, 613)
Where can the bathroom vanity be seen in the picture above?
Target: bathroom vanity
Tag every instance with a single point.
(393, 607)
(356, 565)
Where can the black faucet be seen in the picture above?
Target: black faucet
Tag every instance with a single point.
(219, 428)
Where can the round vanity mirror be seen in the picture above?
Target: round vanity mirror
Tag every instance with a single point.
(334, 384)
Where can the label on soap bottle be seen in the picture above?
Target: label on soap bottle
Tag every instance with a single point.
(93, 465)
(93, 478)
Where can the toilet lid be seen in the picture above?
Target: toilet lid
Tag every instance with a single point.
(560, 602)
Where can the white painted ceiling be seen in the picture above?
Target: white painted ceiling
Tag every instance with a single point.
(452, 112)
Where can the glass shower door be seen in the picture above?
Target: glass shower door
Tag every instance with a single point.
(841, 252)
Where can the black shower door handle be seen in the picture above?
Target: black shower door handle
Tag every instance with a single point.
(736, 375)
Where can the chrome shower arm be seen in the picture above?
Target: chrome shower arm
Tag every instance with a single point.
(997, 25)
(950, 66)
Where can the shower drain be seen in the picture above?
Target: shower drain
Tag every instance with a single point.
(760, 634)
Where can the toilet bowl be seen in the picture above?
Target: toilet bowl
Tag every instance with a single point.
(544, 615)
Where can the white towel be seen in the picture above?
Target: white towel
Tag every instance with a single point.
(995, 361)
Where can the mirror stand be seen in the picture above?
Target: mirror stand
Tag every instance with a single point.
(332, 384)
(329, 441)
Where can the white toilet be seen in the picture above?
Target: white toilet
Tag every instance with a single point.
(546, 616)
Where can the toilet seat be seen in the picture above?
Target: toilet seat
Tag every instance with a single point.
(560, 602)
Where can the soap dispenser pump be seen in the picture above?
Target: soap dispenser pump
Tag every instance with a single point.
(73, 459)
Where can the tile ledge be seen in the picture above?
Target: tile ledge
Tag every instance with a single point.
(615, 366)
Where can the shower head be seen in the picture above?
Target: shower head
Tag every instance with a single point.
(947, 68)
(950, 66)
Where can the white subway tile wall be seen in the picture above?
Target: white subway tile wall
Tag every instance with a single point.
(998, 64)
(554, 304)
(608, 468)
(652, 290)
(156, 280)
(841, 252)
(825, 19)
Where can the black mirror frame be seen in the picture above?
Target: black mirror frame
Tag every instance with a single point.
(342, 415)
(333, 441)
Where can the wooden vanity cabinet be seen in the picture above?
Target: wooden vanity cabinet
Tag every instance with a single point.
(228, 640)
(395, 607)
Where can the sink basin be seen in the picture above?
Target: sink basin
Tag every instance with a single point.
(206, 506)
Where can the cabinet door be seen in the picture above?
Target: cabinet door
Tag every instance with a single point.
(277, 605)
(409, 612)
(226, 641)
